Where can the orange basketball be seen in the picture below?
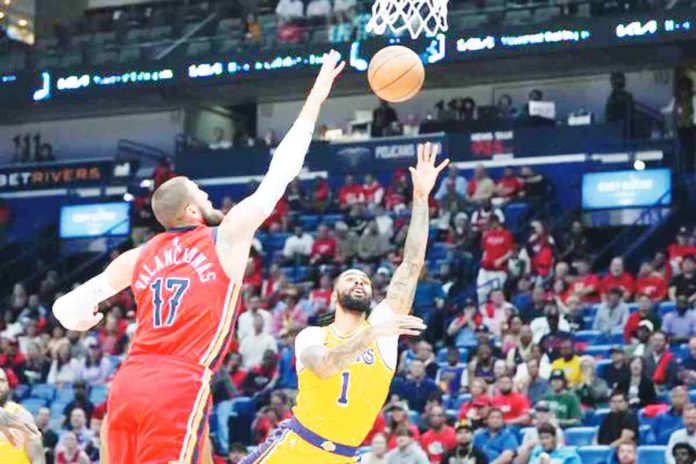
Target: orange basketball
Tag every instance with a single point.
(396, 73)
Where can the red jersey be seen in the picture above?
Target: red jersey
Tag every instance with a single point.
(436, 444)
(512, 405)
(624, 281)
(187, 305)
(511, 186)
(496, 243)
(679, 251)
(654, 286)
(324, 247)
(351, 194)
(589, 280)
(370, 190)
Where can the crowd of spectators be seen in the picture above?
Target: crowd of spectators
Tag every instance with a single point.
(502, 372)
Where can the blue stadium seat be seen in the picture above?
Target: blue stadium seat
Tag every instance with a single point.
(615, 339)
(300, 274)
(461, 399)
(309, 221)
(438, 250)
(596, 417)
(364, 450)
(34, 404)
(692, 396)
(646, 435)
(98, 394)
(222, 415)
(588, 336)
(651, 454)
(21, 391)
(595, 454)
(598, 351)
(666, 307)
(515, 213)
(580, 436)
(681, 351)
(414, 417)
(65, 394)
(442, 355)
(331, 219)
(44, 390)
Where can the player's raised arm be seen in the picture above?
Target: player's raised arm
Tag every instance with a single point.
(402, 287)
(78, 309)
(324, 362)
(242, 221)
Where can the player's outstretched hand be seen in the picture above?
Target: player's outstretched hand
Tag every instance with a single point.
(399, 324)
(425, 173)
(330, 69)
(16, 429)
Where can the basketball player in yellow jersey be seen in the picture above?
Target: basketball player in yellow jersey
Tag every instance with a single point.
(21, 442)
(345, 369)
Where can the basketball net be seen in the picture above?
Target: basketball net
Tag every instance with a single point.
(415, 16)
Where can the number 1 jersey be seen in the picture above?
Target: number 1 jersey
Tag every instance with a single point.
(187, 306)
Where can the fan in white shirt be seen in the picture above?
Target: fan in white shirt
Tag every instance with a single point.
(254, 345)
(245, 323)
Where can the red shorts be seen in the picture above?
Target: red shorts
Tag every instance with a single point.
(157, 411)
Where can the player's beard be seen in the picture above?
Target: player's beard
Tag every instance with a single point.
(359, 304)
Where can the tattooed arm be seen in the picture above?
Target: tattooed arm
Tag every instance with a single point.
(324, 362)
(402, 287)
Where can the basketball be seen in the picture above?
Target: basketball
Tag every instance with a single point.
(396, 74)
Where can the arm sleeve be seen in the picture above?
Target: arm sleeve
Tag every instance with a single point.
(311, 336)
(387, 346)
(285, 166)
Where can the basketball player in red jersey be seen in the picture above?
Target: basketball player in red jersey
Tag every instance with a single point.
(186, 282)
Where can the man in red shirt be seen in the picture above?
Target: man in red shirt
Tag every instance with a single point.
(350, 194)
(498, 245)
(645, 312)
(681, 248)
(514, 406)
(618, 278)
(650, 283)
(586, 285)
(509, 186)
(373, 190)
(324, 247)
(440, 437)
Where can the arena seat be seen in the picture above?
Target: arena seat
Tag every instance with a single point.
(21, 391)
(438, 250)
(442, 355)
(595, 454)
(588, 336)
(580, 436)
(601, 367)
(98, 394)
(666, 307)
(44, 390)
(651, 454)
(34, 404)
(646, 435)
(332, 219)
(599, 351)
(64, 395)
(309, 221)
(681, 351)
(595, 417)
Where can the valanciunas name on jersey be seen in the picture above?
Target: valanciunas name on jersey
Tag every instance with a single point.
(176, 255)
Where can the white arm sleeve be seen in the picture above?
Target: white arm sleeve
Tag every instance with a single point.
(387, 346)
(311, 336)
(285, 166)
(75, 310)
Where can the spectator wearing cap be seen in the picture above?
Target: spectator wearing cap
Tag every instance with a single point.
(464, 452)
(346, 244)
(612, 314)
(586, 285)
(618, 370)
(452, 189)
(439, 438)
(407, 450)
(638, 387)
(680, 324)
(496, 312)
(650, 283)
(646, 312)
(671, 420)
(497, 442)
(378, 450)
(550, 450)
(398, 417)
(685, 282)
(680, 249)
(417, 388)
(463, 326)
(564, 403)
(620, 425)
(686, 435)
(618, 278)
(514, 406)
(497, 244)
(592, 390)
(479, 400)
(688, 365)
(542, 415)
(641, 342)
(569, 362)
(660, 363)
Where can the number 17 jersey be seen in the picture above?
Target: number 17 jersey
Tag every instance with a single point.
(186, 304)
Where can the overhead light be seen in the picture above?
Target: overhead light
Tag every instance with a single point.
(2, 14)
(7, 2)
(23, 22)
(146, 183)
(128, 197)
(639, 165)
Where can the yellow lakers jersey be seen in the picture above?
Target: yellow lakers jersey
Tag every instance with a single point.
(8, 453)
(343, 407)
